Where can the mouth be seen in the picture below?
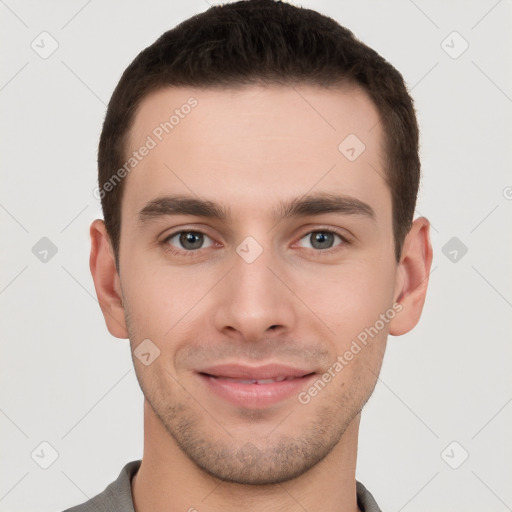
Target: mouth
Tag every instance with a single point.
(253, 381)
(255, 387)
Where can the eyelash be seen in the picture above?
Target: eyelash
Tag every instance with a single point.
(195, 253)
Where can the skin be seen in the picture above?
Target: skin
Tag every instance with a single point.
(248, 149)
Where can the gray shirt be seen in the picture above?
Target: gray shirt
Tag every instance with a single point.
(117, 497)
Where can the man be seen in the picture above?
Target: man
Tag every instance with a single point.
(258, 171)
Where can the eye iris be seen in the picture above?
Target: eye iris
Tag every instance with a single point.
(321, 237)
(319, 240)
(191, 240)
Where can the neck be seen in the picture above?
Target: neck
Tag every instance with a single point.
(169, 481)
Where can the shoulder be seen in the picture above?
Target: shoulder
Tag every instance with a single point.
(365, 500)
(117, 496)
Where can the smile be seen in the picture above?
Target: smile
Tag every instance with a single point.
(254, 388)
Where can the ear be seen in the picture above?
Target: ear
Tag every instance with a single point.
(412, 277)
(106, 280)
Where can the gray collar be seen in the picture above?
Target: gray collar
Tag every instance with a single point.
(117, 497)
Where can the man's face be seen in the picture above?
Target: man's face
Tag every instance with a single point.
(227, 299)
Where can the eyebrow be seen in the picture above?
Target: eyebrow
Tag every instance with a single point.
(313, 204)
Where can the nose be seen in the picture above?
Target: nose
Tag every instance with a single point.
(254, 301)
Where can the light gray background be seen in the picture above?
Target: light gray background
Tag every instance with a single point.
(66, 381)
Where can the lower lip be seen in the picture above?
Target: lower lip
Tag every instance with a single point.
(255, 396)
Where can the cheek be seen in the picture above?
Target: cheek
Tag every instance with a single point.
(162, 299)
(352, 299)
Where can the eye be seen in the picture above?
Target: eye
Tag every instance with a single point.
(321, 239)
(186, 241)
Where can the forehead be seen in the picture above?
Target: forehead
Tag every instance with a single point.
(253, 145)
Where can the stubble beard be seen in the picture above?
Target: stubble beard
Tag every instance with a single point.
(274, 457)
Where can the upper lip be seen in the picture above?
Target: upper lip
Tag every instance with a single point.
(269, 371)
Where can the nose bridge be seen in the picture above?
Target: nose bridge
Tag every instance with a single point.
(253, 298)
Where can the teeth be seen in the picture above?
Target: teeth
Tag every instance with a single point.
(257, 381)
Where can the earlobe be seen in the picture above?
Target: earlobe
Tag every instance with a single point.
(106, 280)
(412, 277)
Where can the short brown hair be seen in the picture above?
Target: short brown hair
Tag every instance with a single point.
(264, 42)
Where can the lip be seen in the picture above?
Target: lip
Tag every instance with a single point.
(219, 380)
(268, 371)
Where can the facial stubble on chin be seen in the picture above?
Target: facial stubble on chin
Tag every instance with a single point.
(206, 440)
(275, 457)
